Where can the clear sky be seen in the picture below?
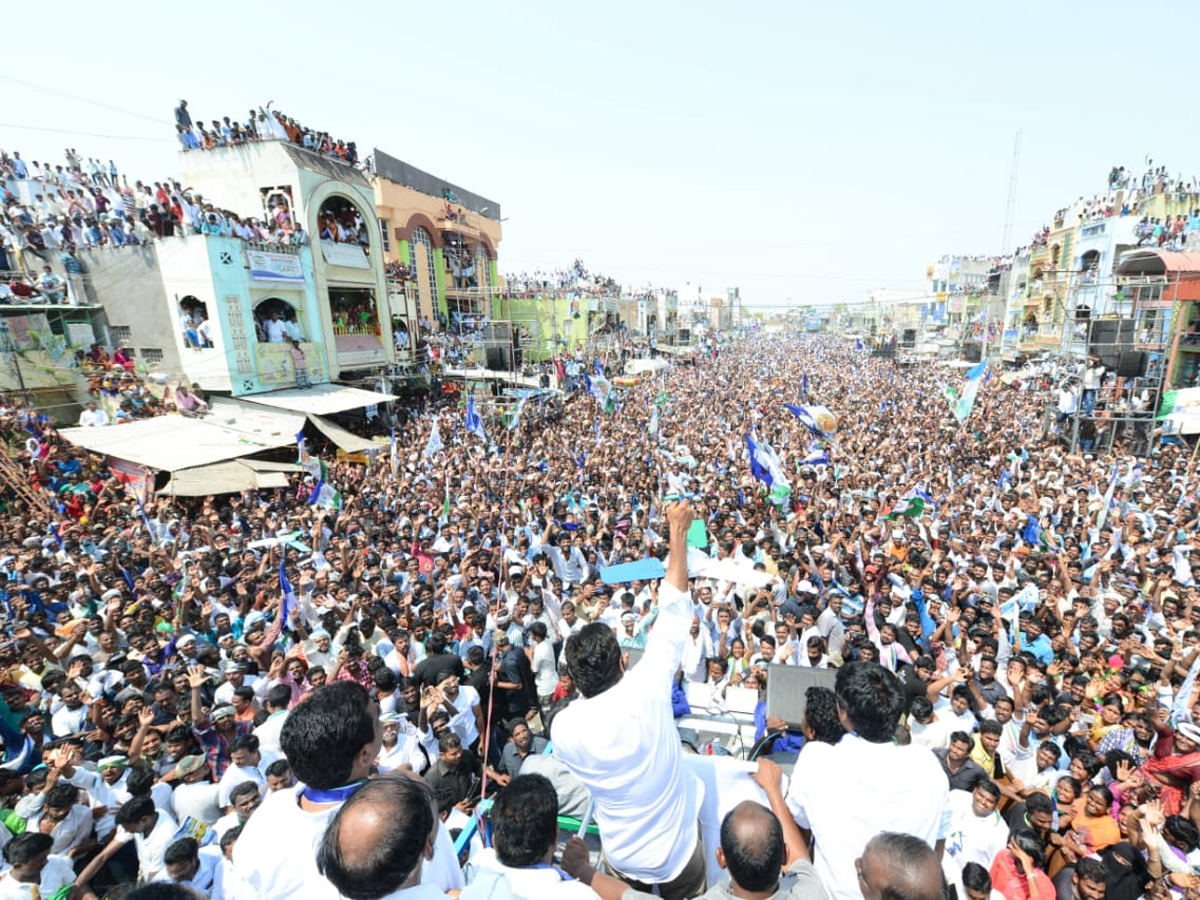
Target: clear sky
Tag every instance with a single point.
(802, 152)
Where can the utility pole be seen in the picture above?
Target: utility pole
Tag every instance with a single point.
(10, 349)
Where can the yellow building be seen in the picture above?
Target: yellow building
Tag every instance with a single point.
(440, 242)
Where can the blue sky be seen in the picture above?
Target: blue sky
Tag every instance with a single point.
(802, 152)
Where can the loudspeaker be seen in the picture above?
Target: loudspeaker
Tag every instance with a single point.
(497, 359)
(1132, 364)
(786, 686)
(1108, 337)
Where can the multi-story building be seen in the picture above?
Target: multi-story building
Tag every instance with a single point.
(441, 239)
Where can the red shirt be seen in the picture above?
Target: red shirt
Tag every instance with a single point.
(1013, 884)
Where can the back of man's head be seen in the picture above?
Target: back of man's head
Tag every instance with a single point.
(375, 843)
(525, 821)
(594, 659)
(324, 735)
(871, 698)
(279, 697)
(900, 867)
(752, 846)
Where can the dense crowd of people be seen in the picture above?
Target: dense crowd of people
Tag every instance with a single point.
(267, 695)
(261, 124)
(69, 209)
(574, 278)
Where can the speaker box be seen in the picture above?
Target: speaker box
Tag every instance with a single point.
(1108, 338)
(786, 686)
(497, 359)
(1132, 364)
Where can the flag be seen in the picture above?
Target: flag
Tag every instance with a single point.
(394, 452)
(859, 345)
(804, 385)
(906, 506)
(966, 399)
(289, 604)
(817, 419)
(1032, 533)
(1106, 501)
(1168, 404)
(652, 428)
(435, 440)
(599, 368)
(323, 493)
(766, 467)
(446, 501)
(597, 429)
(816, 457)
(516, 417)
(474, 423)
(661, 399)
(300, 445)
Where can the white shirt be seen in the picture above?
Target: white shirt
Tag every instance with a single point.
(974, 838)
(198, 801)
(68, 721)
(152, 847)
(234, 776)
(276, 330)
(57, 874)
(622, 744)
(463, 722)
(545, 673)
(848, 793)
(935, 735)
(93, 418)
(532, 883)
(208, 878)
(268, 733)
(276, 854)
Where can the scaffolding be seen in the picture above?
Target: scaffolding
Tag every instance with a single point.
(1132, 344)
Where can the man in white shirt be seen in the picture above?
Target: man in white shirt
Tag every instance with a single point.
(977, 831)
(848, 792)
(34, 871)
(193, 866)
(152, 830)
(275, 328)
(525, 833)
(246, 764)
(93, 416)
(276, 704)
(647, 805)
(383, 835)
(330, 740)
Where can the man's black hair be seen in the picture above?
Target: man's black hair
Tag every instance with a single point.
(594, 659)
(406, 806)
(1093, 870)
(990, 726)
(1183, 831)
(960, 737)
(449, 741)
(872, 699)
(525, 821)
(243, 789)
(279, 697)
(26, 846)
(325, 733)
(279, 768)
(61, 796)
(976, 878)
(752, 840)
(821, 716)
(247, 742)
(182, 851)
(134, 810)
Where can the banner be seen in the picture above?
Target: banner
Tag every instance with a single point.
(266, 266)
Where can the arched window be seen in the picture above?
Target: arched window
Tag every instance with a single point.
(193, 318)
(276, 322)
(340, 221)
(421, 238)
(482, 270)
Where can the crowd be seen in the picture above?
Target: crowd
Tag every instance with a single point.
(261, 124)
(267, 695)
(68, 209)
(1127, 193)
(575, 278)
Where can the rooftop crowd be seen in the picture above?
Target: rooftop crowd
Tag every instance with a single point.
(261, 124)
(70, 208)
(257, 696)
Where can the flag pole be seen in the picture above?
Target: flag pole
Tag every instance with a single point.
(1192, 463)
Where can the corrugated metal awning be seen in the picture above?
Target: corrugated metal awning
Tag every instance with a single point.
(320, 399)
(344, 439)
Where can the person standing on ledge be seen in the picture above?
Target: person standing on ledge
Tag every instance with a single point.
(646, 804)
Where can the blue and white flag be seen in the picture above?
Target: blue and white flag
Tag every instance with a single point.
(516, 419)
(474, 423)
(811, 416)
(817, 457)
(300, 445)
(966, 397)
(435, 440)
(394, 452)
(289, 603)
(766, 467)
(1106, 500)
(859, 345)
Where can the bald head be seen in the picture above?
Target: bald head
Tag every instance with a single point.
(376, 842)
(899, 867)
(752, 846)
